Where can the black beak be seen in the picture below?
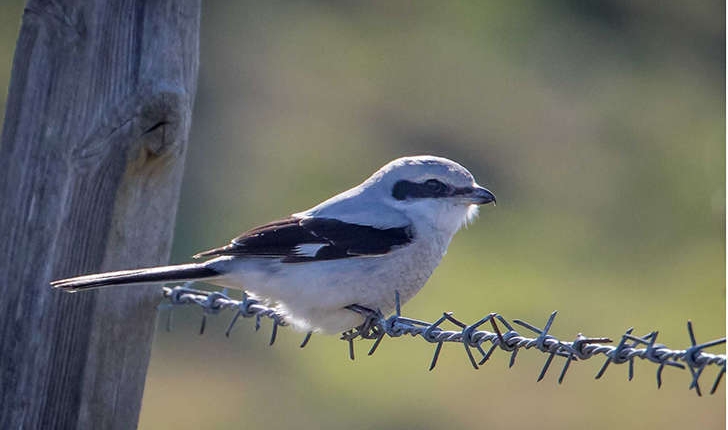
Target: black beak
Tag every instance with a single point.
(481, 196)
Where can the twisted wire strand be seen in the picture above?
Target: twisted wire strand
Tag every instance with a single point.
(376, 327)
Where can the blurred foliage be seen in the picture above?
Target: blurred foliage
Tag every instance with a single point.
(599, 125)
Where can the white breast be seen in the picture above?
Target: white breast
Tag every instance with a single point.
(314, 294)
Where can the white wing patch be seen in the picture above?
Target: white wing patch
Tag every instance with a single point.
(308, 249)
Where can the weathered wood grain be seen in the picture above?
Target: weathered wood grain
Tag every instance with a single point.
(91, 157)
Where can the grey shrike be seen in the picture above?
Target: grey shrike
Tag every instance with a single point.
(351, 252)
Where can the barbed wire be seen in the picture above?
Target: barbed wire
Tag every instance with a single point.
(377, 326)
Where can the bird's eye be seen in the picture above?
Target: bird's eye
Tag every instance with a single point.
(435, 186)
(404, 190)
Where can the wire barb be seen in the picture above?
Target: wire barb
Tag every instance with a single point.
(376, 327)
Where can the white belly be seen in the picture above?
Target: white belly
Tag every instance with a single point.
(314, 294)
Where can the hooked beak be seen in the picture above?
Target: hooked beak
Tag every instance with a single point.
(479, 196)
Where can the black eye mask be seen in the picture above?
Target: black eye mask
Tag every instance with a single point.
(431, 188)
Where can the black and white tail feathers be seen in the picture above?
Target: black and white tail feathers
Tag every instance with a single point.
(180, 272)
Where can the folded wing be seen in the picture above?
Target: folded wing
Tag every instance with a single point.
(296, 240)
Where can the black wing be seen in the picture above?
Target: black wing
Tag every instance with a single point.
(311, 239)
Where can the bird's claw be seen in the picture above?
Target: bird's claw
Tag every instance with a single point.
(370, 328)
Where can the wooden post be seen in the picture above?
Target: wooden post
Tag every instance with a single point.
(91, 159)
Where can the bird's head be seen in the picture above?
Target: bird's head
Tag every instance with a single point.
(430, 189)
(427, 191)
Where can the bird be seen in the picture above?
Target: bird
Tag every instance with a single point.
(369, 248)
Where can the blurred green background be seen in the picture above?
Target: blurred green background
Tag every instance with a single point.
(599, 125)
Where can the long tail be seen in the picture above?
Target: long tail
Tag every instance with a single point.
(181, 272)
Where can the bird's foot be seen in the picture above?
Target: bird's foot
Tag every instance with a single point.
(370, 328)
